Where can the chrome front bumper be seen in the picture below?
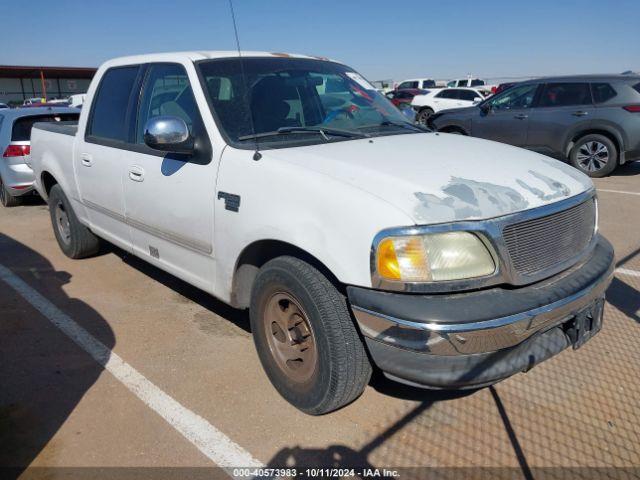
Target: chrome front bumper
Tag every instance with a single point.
(465, 324)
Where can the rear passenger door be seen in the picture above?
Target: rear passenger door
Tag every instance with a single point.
(101, 160)
(170, 197)
(563, 109)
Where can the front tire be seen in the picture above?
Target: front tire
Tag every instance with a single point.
(423, 116)
(595, 155)
(74, 239)
(6, 198)
(306, 339)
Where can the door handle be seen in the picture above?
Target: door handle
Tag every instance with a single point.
(521, 116)
(86, 159)
(136, 173)
(580, 113)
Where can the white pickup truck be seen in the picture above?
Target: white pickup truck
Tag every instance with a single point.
(287, 185)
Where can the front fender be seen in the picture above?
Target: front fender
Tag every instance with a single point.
(330, 220)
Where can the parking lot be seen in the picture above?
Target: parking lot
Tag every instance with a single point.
(179, 383)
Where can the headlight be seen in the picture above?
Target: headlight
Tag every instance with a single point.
(433, 257)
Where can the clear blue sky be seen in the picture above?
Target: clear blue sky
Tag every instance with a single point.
(381, 39)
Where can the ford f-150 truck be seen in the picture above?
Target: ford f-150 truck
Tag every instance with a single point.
(286, 184)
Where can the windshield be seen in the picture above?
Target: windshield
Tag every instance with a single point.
(279, 96)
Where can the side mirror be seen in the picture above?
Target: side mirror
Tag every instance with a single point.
(168, 134)
(485, 108)
(477, 100)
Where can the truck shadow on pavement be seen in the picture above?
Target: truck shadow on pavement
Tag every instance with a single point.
(622, 295)
(341, 456)
(239, 318)
(43, 373)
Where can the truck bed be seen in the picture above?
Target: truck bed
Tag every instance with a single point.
(66, 128)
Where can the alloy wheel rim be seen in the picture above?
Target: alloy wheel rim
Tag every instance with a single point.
(424, 116)
(62, 222)
(593, 156)
(290, 337)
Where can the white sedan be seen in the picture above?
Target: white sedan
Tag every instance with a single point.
(445, 99)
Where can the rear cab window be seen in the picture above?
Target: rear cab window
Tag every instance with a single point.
(21, 130)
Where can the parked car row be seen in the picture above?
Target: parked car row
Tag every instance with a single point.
(426, 83)
(444, 99)
(591, 121)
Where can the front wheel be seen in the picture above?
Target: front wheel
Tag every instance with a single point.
(305, 337)
(423, 116)
(595, 155)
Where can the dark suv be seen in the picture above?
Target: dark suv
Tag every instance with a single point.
(591, 121)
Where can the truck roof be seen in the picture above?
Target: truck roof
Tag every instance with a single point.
(195, 56)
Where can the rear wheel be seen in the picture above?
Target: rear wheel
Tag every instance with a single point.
(6, 198)
(595, 155)
(75, 240)
(423, 116)
(305, 337)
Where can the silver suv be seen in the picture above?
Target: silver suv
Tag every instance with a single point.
(16, 176)
(591, 121)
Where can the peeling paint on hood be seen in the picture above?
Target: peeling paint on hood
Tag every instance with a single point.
(436, 178)
(466, 198)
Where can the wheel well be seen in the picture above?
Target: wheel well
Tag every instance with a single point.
(256, 255)
(605, 133)
(451, 128)
(48, 181)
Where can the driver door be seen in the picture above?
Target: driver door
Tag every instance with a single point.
(170, 197)
(505, 118)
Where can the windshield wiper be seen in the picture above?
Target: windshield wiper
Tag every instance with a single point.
(325, 132)
(406, 125)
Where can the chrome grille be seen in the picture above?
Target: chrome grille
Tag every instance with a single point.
(540, 243)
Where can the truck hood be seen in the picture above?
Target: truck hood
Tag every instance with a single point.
(436, 178)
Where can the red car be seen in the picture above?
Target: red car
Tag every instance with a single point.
(398, 97)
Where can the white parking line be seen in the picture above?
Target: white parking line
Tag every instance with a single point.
(626, 271)
(618, 191)
(214, 444)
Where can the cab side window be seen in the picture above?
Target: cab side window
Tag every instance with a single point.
(109, 118)
(565, 94)
(468, 95)
(449, 93)
(514, 98)
(167, 92)
(404, 85)
(602, 92)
